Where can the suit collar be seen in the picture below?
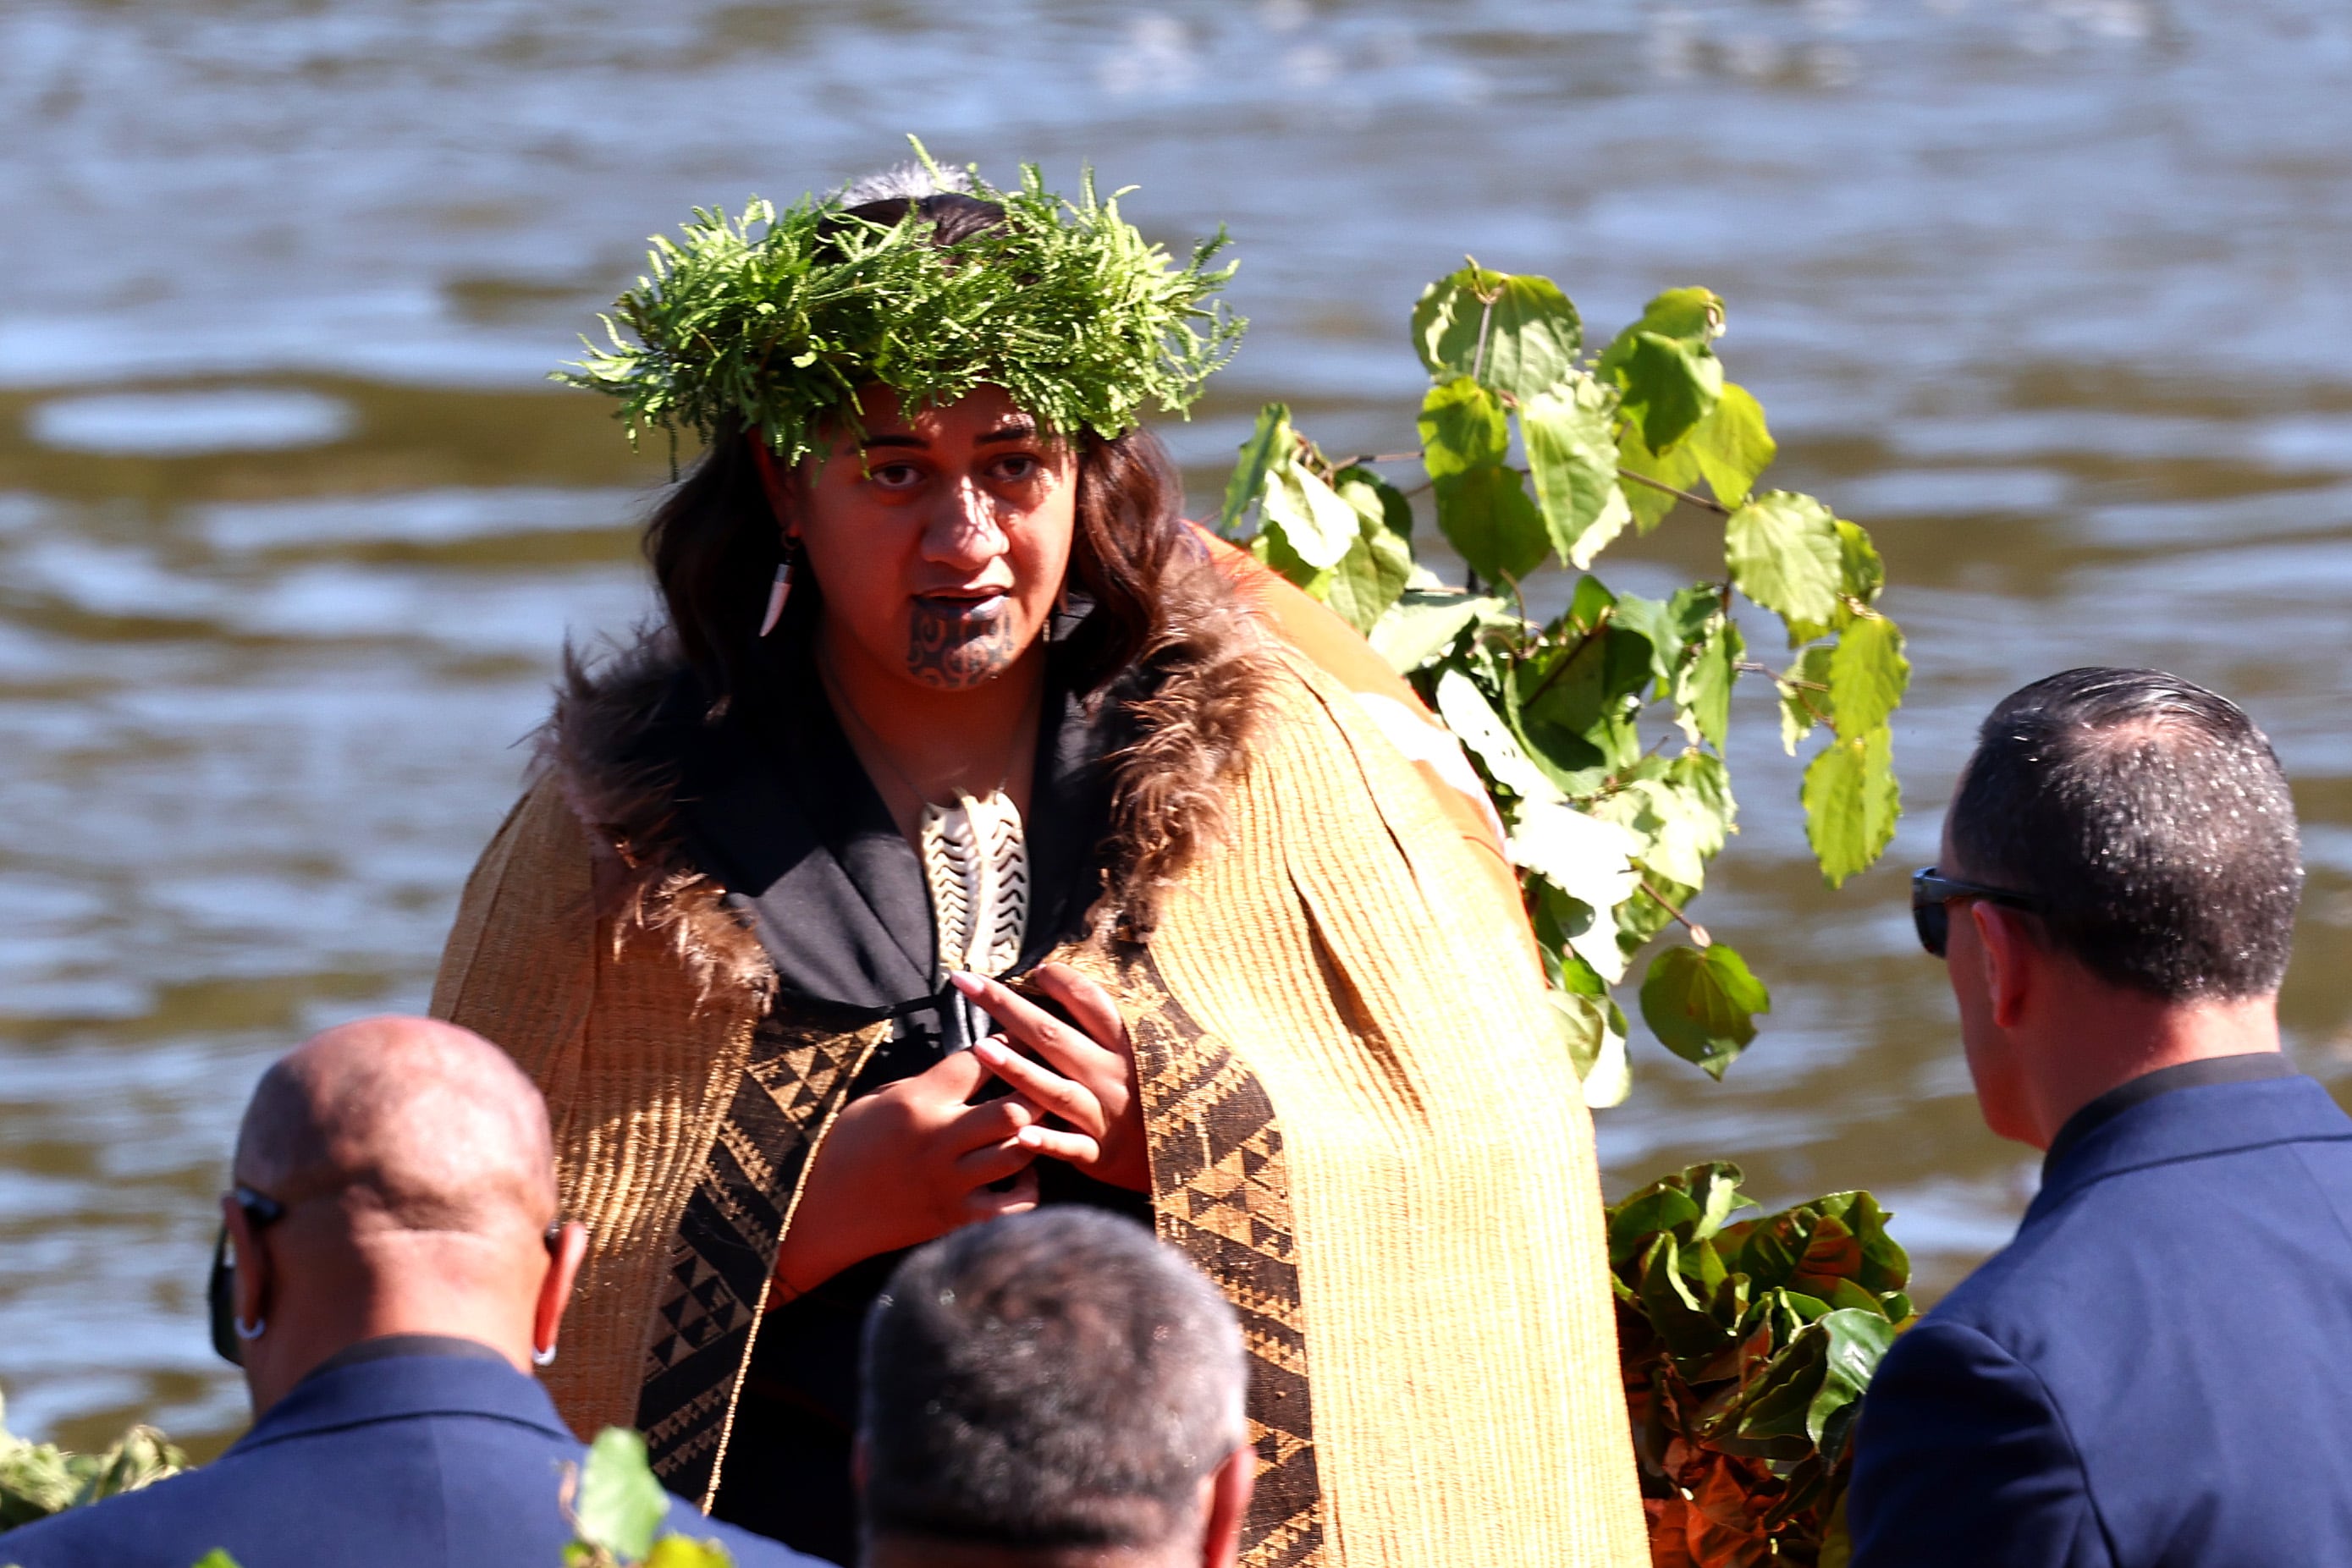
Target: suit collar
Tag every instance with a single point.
(388, 1388)
(2245, 1068)
(2188, 1123)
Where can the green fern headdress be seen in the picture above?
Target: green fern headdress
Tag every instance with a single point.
(775, 319)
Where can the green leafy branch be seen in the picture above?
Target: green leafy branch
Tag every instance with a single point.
(774, 320)
(38, 1480)
(616, 1506)
(1746, 1347)
(1613, 836)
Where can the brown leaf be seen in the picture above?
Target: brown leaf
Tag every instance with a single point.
(1669, 1532)
(1721, 1526)
(1834, 1252)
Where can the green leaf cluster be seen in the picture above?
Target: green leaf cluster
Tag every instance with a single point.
(38, 1480)
(773, 320)
(1603, 733)
(1701, 1003)
(615, 1505)
(1746, 1347)
(1344, 535)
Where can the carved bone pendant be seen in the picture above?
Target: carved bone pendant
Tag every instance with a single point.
(976, 862)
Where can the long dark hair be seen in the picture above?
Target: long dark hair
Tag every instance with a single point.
(714, 542)
(1157, 604)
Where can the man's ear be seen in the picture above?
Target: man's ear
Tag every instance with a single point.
(565, 1255)
(2010, 956)
(250, 1293)
(1229, 1498)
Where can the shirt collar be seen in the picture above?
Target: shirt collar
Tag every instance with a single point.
(390, 1383)
(382, 1347)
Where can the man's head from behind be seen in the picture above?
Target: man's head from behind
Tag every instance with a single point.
(2146, 833)
(404, 1184)
(1048, 1390)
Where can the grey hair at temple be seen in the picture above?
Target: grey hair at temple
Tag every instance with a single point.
(1053, 1380)
(2150, 819)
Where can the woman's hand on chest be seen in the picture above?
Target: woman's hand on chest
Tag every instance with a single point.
(913, 1161)
(1084, 1077)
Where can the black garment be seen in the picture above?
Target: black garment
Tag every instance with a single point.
(775, 806)
(2251, 1068)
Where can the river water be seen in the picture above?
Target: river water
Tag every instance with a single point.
(2049, 293)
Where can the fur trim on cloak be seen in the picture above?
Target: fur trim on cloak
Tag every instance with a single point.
(1204, 687)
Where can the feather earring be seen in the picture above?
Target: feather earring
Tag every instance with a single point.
(779, 590)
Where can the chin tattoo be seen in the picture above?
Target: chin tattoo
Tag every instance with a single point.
(955, 651)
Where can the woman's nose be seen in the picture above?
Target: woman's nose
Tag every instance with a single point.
(965, 531)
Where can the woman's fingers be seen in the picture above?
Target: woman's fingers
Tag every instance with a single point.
(1032, 1026)
(1076, 1148)
(1089, 1005)
(981, 1204)
(955, 1076)
(990, 1122)
(993, 1161)
(1072, 1102)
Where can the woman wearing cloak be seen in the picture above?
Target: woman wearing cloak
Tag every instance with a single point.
(961, 841)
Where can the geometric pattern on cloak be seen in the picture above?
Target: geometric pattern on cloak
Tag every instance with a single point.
(1219, 1193)
(802, 1061)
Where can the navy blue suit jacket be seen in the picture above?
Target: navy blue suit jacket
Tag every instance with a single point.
(2157, 1372)
(415, 1461)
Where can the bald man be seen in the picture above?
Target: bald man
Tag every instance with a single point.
(398, 1267)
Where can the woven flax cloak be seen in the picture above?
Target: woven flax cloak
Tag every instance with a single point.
(1361, 1127)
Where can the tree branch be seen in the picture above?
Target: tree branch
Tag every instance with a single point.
(1823, 719)
(1699, 939)
(1718, 507)
(1599, 623)
(1751, 667)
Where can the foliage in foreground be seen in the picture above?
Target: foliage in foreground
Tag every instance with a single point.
(1601, 735)
(1746, 1346)
(776, 319)
(615, 1505)
(613, 1500)
(38, 1480)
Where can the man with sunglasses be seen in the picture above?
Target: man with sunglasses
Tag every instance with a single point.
(2159, 1369)
(392, 1268)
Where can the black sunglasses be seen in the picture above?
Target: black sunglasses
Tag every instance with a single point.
(261, 1211)
(1932, 895)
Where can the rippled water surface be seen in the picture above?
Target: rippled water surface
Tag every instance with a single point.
(2050, 293)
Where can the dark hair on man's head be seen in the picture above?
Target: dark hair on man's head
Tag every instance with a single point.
(1057, 1379)
(2150, 818)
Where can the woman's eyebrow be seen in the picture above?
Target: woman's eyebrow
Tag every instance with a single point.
(917, 442)
(1019, 429)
